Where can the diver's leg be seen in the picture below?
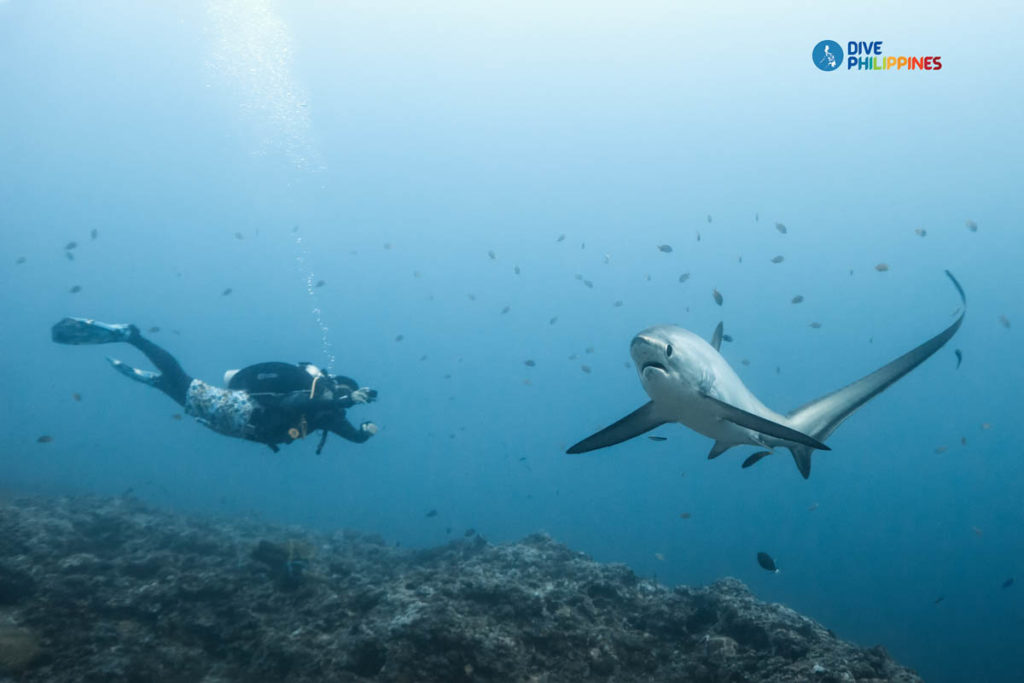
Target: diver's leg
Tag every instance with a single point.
(172, 380)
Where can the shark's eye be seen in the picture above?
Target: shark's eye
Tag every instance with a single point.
(668, 351)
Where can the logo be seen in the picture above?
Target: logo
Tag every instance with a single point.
(862, 55)
(827, 55)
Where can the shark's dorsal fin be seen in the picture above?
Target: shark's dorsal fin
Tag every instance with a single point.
(641, 420)
(716, 338)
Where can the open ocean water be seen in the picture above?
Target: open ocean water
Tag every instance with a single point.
(425, 197)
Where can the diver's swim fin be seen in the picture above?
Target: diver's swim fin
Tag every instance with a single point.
(144, 376)
(88, 331)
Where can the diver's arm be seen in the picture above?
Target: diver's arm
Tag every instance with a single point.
(343, 428)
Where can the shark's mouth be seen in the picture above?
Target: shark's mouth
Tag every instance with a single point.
(657, 366)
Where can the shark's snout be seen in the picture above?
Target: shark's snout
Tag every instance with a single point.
(648, 353)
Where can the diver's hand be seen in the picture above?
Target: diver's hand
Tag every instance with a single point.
(363, 395)
(369, 428)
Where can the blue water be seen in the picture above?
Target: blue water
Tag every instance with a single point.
(386, 148)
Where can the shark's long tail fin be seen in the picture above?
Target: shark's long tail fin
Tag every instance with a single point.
(821, 417)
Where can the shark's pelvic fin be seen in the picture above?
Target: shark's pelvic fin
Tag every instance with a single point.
(718, 449)
(641, 420)
(764, 426)
(821, 417)
(754, 458)
(716, 338)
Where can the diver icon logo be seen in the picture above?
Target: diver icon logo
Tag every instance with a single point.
(827, 55)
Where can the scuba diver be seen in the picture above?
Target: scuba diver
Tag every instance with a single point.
(271, 403)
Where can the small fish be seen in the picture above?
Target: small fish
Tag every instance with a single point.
(797, 299)
(76, 289)
(757, 217)
(882, 267)
(588, 283)
(665, 248)
(781, 227)
(573, 356)
(239, 236)
(70, 255)
(607, 258)
(423, 357)
(154, 329)
(492, 254)
(941, 449)
(766, 562)
(561, 238)
(813, 507)
(658, 438)
(77, 396)
(578, 276)
(45, 438)
(939, 599)
(529, 363)
(709, 218)
(727, 337)
(684, 277)
(717, 296)
(226, 292)
(70, 245)
(399, 337)
(553, 320)
(959, 357)
(659, 557)
(176, 416)
(754, 458)
(472, 297)
(415, 274)
(816, 325)
(583, 245)
(20, 260)
(1004, 321)
(387, 246)
(963, 440)
(971, 225)
(986, 425)
(647, 277)
(515, 269)
(432, 513)
(698, 235)
(94, 233)
(320, 283)
(744, 361)
(618, 303)
(469, 532)
(585, 368)
(589, 349)
(1008, 582)
(920, 232)
(506, 310)
(778, 259)
(685, 515)
(977, 531)
(448, 530)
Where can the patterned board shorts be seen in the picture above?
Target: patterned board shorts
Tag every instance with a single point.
(227, 411)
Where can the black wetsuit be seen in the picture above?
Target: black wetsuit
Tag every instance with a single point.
(283, 415)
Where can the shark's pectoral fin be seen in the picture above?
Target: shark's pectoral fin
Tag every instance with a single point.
(718, 449)
(764, 426)
(636, 423)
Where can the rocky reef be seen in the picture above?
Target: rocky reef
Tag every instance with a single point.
(112, 590)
